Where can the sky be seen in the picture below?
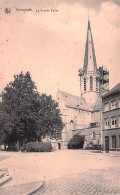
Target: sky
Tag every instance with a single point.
(51, 45)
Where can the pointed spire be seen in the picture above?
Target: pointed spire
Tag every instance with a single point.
(89, 25)
(90, 65)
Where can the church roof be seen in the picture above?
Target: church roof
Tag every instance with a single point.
(75, 102)
(80, 103)
(113, 90)
(90, 64)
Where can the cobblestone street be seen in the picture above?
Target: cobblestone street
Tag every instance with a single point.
(65, 172)
(92, 182)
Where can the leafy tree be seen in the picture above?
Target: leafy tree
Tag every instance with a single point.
(50, 122)
(25, 114)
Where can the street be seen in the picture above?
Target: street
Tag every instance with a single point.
(92, 182)
(66, 171)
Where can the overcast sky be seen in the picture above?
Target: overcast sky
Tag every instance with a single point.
(51, 45)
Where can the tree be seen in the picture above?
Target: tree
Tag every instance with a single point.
(26, 115)
(50, 122)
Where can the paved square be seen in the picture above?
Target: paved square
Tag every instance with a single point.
(92, 182)
(66, 171)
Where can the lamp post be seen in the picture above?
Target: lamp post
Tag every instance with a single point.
(101, 132)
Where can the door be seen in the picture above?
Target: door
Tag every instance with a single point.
(106, 143)
(59, 146)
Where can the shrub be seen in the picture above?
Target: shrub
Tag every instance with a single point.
(38, 147)
(13, 147)
(76, 142)
(92, 146)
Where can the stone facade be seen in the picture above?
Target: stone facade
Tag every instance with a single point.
(111, 119)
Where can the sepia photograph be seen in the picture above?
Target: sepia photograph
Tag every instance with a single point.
(60, 97)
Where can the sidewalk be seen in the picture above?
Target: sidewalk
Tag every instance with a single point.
(22, 189)
(24, 181)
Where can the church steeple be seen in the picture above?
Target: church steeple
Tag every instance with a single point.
(89, 85)
(90, 64)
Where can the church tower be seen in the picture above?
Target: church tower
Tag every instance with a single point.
(89, 85)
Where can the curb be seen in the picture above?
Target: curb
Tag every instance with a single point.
(4, 180)
(40, 186)
(23, 189)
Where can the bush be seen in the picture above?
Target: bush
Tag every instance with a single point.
(38, 147)
(76, 142)
(13, 147)
(92, 146)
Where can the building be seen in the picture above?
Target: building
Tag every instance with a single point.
(82, 114)
(111, 119)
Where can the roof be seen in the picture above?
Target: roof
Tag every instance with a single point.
(80, 103)
(75, 102)
(88, 131)
(113, 90)
(89, 58)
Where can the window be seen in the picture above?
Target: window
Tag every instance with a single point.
(113, 104)
(119, 141)
(71, 121)
(84, 84)
(113, 141)
(107, 124)
(113, 122)
(91, 83)
(118, 121)
(96, 85)
(106, 106)
(94, 136)
(119, 103)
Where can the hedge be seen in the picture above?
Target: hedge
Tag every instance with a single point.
(76, 142)
(38, 147)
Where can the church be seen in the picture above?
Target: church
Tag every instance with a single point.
(82, 114)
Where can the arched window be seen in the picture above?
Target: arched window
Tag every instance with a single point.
(84, 84)
(71, 121)
(71, 125)
(91, 83)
